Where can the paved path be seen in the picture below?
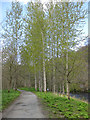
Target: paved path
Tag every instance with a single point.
(26, 106)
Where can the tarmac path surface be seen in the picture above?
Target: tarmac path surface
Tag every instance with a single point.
(26, 106)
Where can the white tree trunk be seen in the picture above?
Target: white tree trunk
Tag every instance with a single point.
(39, 85)
(67, 84)
(53, 55)
(35, 82)
(44, 73)
(39, 81)
(54, 86)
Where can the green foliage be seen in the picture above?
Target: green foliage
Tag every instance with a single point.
(40, 40)
(28, 89)
(12, 35)
(61, 105)
(7, 98)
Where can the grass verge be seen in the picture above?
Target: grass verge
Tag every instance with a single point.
(27, 89)
(7, 98)
(60, 106)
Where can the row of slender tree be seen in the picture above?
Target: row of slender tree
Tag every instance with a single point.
(41, 44)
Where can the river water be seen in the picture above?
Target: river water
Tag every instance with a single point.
(82, 96)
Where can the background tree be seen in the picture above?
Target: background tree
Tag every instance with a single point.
(12, 35)
(46, 58)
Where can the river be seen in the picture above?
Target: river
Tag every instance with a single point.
(82, 96)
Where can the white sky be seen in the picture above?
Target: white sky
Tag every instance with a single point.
(43, 1)
(23, 1)
(85, 29)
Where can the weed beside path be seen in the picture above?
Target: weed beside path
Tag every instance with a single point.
(7, 98)
(61, 106)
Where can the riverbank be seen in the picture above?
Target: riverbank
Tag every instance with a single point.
(62, 107)
(72, 97)
(81, 96)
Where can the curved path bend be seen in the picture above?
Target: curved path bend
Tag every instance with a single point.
(26, 106)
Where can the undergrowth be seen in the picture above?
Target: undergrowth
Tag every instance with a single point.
(62, 106)
(7, 98)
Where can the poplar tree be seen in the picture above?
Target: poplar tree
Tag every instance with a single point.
(63, 31)
(35, 39)
(12, 34)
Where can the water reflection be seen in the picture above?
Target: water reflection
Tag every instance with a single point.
(82, 96)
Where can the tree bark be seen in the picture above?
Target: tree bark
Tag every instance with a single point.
(29, 84)
(54, 86)
(44, 72)
(40, 82)
(67, 84)
(60, 89)
(35, 82)
(44, 75)
(53, 55)
(63, 88)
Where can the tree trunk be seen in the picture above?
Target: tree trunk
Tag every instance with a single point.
(67, 84)
(63, 88)
(41, 85)
(29, 84)
(60, 89)
(54, 86)
(35, 82)
(44, 72)
(68, 94)
(44, 76)
(53, 55)
(16, 50)
(25, 84)
(39, 81)
(53, 78)
(50, 83)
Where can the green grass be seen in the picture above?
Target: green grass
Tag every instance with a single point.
(7, 98)
(0, 99)
(62, 106)
(27, 89)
